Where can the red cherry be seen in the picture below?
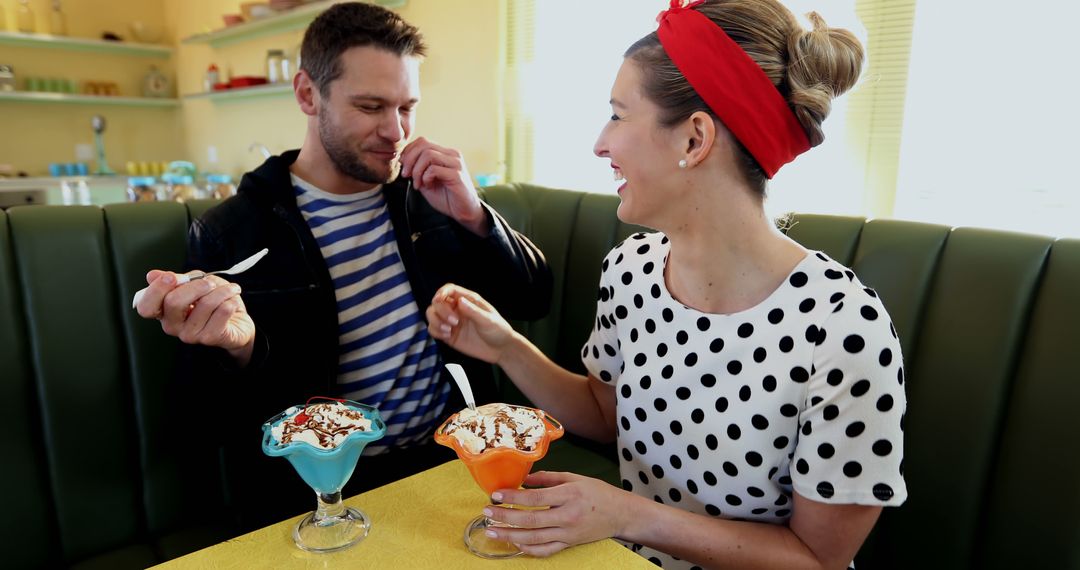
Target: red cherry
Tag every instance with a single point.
(300, 419)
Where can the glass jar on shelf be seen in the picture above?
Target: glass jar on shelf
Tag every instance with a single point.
(219, 186)
(182, 188)
(141, 189)
(276, 66)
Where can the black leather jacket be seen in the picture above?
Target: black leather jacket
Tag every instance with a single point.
(290, 296)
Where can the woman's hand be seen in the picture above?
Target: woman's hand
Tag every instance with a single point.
(581, 510)
(464, 320)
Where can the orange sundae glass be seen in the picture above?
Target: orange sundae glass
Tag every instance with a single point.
(498, 444)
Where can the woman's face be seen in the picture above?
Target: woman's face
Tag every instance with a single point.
(644, 155)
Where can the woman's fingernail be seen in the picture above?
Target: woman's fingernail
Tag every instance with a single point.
(490, 534)
(488, 512)
(497, 497)
(168, 279)
(453, 320)
(445, 329)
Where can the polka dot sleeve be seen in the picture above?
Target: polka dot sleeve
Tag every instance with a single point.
(850, 443)
(601, 354)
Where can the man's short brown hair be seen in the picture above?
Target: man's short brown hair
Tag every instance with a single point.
(353, 24)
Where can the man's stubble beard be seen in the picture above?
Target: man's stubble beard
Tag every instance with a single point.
(346, 160)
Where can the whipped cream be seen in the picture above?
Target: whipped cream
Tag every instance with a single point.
(324, 425)
(497, 425)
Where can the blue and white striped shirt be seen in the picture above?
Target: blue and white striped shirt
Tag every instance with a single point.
(386, 357)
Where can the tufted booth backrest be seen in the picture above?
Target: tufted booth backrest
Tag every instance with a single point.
(988, 322)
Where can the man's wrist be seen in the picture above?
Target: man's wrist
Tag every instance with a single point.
(242, 356)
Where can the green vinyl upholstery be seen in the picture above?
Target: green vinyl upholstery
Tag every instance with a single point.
(987, 321)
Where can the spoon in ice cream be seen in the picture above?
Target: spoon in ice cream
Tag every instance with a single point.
(458, 373)
(185, 277)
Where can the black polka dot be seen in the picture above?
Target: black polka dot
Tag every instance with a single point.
(658, 471)
(633, 335)
(681, 337)
(668, 371)
(798, 279)
(675, 494)
(825, 489)
(811, 333)
(745, 330)
(676, 427)
(759, 511)
(753, 459)
(786, 344)
(676, 463)
(692, 451)
(711, 442)
(826, 450)
(650, 326)
(645, 382)
(708, 380)
(830, 412)
(780, 442)
(683, 393)
(783, 512)
(869, 313)
(883, 492)
(760, 422)
(703, 324)
(859, 388)
(655, 291)
(639, 302)
(885, 403)
(627, 486)
(854, 344)
(619, 259)
(852, 469)
(661, 350)
(882, 447)
(755, 492)
(734, 432)
(659, 403)
(733, 500)
(769, 383)
(807, 428)
(855, 429)
(640, 359)
(647, 268)
(690, 360)
(710, 478)
(621, 312)
(721, 404)
(697, 416)
(716, 345)
(655, 561)
(734, 367)
(643, 477)
(836, 298)
(643, 249)
(625, 421)
(885, 358)
(789, 410)
(744, 393)
(712, 510)
(760, 355)
(799, 374)
(835, 377)
(626, 454)
(640, 414)
(605, 376)
(625, 390)
(900, 376)
(730, 469)
(640, 447)
(833, 274)
(816, 400)
(807, 305)
(802, 466)
(692, 487)
(775, 316)
(667, 315)
(604, 322)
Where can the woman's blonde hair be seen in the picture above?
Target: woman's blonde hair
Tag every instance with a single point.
(809, 67)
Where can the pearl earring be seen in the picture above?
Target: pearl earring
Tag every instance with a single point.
(682, 163)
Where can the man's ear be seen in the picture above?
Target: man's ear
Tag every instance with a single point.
(701, 136)
(307, 93)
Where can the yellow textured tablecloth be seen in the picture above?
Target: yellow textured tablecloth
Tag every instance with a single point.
(417, 522)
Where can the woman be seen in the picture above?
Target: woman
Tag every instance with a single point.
(755, 388)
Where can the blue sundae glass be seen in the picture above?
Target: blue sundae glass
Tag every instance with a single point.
(333, 526)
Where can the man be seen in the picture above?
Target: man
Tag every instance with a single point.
(362, 229)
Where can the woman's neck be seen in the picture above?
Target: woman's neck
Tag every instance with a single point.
(726, 255)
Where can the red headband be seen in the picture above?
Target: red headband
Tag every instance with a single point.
(733, 86)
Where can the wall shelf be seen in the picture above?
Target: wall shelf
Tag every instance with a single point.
(242, 93)
(69, 99)
(84, 45)
(295, 19)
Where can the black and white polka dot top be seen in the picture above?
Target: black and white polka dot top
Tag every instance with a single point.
(724, 415)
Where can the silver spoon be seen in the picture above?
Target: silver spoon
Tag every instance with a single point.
(186, 277)
(458, 373)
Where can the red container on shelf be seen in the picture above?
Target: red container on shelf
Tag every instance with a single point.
(246, 81)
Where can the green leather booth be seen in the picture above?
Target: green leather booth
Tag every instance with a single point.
(988, 320)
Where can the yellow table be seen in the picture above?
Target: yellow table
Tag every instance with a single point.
(415, 523)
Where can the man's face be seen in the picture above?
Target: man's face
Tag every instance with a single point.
(369, 114)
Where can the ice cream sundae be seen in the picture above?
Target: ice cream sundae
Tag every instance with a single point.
(324, 425)
(497, 425)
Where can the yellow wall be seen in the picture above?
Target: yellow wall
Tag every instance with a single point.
(36, 134)
(459, 84)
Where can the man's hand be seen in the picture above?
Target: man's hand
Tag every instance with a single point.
(207, 311)
(439, 173)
